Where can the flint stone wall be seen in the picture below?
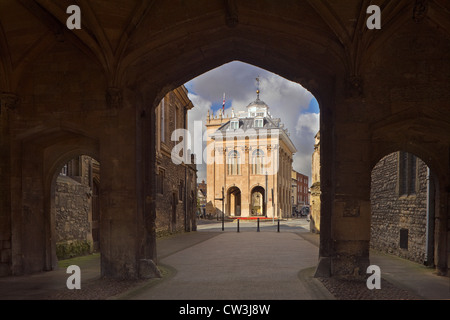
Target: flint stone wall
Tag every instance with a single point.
(73, 206)
(391, 213)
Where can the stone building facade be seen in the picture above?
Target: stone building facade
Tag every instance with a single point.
(315, 187)
(250, 159)
(399, 201)
(176, 192)
(77, 212)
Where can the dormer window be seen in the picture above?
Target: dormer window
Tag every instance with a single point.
(259, 123)
(234, 125)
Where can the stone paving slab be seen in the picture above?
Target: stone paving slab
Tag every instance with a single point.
(247, 265)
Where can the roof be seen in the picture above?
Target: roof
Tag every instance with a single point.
(249, 123)
(258, 103)
(246, 124)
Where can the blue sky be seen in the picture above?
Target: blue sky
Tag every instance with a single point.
(296, 106)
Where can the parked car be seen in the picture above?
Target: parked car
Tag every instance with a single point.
(304, 211)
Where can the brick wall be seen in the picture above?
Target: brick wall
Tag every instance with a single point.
(392, 213)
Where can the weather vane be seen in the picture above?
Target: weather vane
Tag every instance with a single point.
(257, 89)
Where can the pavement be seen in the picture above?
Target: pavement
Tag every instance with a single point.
(212, 264)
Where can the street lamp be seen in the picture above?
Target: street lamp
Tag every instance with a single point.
(223, 213)
(273, 209)
(265, 196)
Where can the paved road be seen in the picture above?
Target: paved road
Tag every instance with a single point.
(246, 265)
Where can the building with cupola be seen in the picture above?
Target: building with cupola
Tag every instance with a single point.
(249, 163)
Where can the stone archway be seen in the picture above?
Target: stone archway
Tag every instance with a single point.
(234, 202)
(36, 217)
(403, 194)
(258, 202)
(106, 79)
(75, 207)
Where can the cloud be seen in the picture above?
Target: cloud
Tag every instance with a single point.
(287, 100)
(308, 125)
(198, 114)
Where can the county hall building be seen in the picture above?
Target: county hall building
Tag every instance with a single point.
(249, 163)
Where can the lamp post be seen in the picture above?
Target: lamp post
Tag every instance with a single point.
(265, 196)
(223, 213)
(223, 209)
(273, 209)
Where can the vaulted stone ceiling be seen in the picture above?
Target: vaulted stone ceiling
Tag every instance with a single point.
(126, 37)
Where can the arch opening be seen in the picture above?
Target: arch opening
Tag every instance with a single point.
(234, 202)
(233, 123)
(75, 208)
(258, 202)
(403, 201)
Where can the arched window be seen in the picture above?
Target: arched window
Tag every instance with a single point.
(257, 161)
(234, 163)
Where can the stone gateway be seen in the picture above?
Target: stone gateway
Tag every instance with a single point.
(95, 91)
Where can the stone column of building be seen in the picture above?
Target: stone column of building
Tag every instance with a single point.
(327, 172)
(120, 194)
(246, 172)
(8, 102)
(148, 138)
(442, 230)
(315, 187)
(351, 198)
(441, 175)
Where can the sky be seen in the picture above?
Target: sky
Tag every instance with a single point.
(296, 106)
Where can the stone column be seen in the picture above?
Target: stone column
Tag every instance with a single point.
(351, 199)
(327, 191)
(345, 189)
(442, 230)
(147, 135)
(245, 186)
(29, 221)
(8, 102)
(119, 198)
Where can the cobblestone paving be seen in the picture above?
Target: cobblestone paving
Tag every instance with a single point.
(100, 289)
(103, 289)
(357, 290)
